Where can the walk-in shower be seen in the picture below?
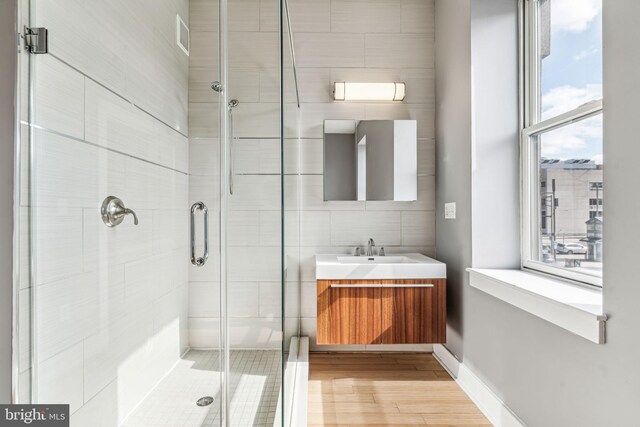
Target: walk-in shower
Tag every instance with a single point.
(155, 286)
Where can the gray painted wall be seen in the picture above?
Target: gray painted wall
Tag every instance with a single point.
(453, 156)
(546, 375)
(7, 117)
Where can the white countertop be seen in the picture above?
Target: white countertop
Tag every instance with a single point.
(393, 266)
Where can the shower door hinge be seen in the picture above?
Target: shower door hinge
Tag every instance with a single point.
(35, 40)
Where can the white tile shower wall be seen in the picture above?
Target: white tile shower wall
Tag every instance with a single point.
(370, 41)
(132, 50)
(111, 304)
(253, 252)
(204, 282)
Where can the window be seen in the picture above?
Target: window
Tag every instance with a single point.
(561, 139)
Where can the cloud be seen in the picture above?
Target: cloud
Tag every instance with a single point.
(585, 53)
(573, 15)
(577, 140)
(557, 143)
(564, 98)
(598, 158)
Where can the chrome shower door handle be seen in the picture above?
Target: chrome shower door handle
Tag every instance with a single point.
(231, 137)
(199, 261)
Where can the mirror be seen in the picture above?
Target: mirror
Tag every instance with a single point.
(370, 160)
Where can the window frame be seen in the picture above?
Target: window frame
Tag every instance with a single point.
(532, 126)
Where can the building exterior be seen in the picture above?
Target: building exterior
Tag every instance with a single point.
(594, 239)
(571, 193)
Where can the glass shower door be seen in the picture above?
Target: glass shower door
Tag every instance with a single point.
(252, 199)
(121, 326)
(126, 143)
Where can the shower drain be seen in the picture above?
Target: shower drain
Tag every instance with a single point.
(205, 401)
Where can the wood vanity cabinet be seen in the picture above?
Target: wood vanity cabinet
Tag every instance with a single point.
(381, 311)
(350, 314)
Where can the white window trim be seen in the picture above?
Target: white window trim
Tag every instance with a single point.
(577, 309)
(530, 185)
(566, 302)
(531, 126)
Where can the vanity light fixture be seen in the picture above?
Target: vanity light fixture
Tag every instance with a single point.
(349, 91)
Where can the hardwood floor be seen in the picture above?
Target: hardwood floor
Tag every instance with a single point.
(386, 389)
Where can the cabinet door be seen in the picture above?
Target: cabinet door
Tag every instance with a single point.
(414, 312)
(349, 313)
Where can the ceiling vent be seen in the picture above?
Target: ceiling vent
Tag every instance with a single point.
(182, 35)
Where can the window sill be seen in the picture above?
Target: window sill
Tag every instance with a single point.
(575, 308)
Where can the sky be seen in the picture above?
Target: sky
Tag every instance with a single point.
(572, 76)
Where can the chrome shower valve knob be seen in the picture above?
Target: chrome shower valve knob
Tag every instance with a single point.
(113, 212)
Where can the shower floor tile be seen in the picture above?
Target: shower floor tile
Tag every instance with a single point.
(254, 389)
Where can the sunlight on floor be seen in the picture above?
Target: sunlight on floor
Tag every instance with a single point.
(254, 388)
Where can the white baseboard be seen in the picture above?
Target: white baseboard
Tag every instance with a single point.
(491, 405)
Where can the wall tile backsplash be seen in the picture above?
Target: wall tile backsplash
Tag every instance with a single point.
(365, 41)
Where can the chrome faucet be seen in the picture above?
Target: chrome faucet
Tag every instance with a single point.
(370, 246)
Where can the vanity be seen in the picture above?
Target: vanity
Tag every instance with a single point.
(395, 299)
(366, 299)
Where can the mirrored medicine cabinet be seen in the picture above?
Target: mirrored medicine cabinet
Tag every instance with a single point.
(370, 160)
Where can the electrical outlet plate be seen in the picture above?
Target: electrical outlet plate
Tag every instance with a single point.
(450, 210)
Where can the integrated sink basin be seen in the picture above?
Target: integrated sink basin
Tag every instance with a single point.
(405, 266)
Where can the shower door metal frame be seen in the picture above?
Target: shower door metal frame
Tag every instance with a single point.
(224, 354)
(17, 183)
